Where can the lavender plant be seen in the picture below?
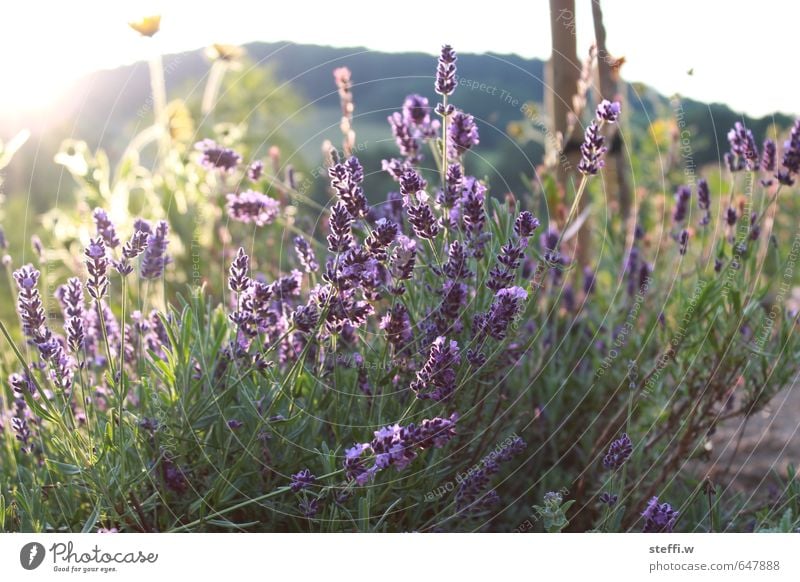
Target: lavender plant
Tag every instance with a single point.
(369, 379)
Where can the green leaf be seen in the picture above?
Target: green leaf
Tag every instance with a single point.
(89, 525)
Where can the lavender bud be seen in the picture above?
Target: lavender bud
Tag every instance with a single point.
(618, 452)
(446, 71)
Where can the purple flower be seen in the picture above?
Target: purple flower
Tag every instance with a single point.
(255, 170)
(105, 228)
(743, 146)
(683, 241)
(406, 140)
(381, 237)
(608, 499)
(234, 424)
(396, 168)
(29, 303)
(462, 134)
(404, 257)
(130, 250)
(71, 298)
(755, 228)
(446, 71)
(525, 224)
(437, 378)
(588, 280)
(340, 238)
(659, 518)
(473, 201)
(155, 256)
(302, 480)
(415, 199)
(769, 156)
(791, 156)
(730, 216)
(305, 254)
(254, 207)
(592, 150)
(238, 280)
(502, 275)
(397, 446)
(305, 317)
(682, 198)
(608, 111)
(97, 265)
(217, 157)
(345, 180)
(456, 265)
(506, 306)
(416, 110)
(397, 325)
(618, 452)
(704, 200)
(309, 507)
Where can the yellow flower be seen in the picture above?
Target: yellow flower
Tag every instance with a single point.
(147, 26)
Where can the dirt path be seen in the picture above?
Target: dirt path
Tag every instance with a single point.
(770, 441)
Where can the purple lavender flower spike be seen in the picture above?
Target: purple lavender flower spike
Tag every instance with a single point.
(683, 241)
(743, 146)
(415, 199)
(97, 265)
(769, 156)
(345, 180)
(406, 140)
(72, 302)
(254, 207)
(416, 110)
(105, 228)
(659, 517)
(704, 201)
(446, 71)
(731, 217)
(397, 325)
(791, 157)
(238, 280)
(592, 151)
(381, 237)
(155, 257)
(618, 452)
(217, 157)
(437, 378)
(255, 170)
(134, 247)
(305, 254)
(302, 480)
(340, 238)
(506, 306)
(525, 224)
(682, 198)
(29, 304)
(462, 134)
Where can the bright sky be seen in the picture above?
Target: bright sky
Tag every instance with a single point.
(742, 57)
